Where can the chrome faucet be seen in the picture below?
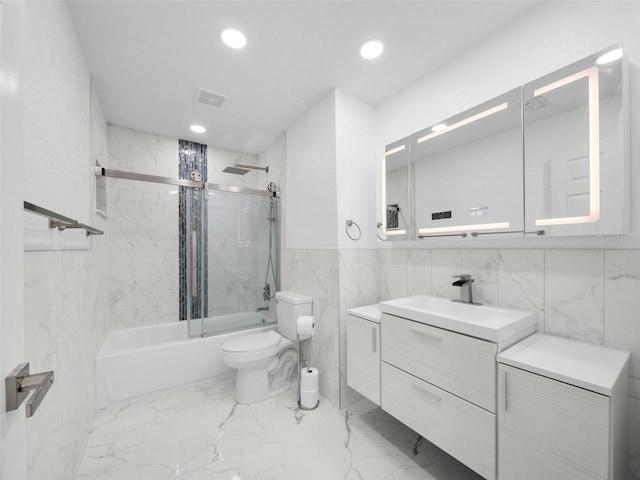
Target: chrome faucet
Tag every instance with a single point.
(466, 294)
(262, 309)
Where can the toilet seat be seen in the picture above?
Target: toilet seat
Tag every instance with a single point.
(255, 342)
(253, 348)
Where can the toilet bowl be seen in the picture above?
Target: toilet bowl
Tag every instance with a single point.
(266, 360)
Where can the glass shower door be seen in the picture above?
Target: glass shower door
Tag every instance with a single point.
(235, 257)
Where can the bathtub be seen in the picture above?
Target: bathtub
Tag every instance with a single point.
(139, 361)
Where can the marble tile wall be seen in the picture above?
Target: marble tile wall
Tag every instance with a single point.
(143, 219)
(66, 320)
(316, 273)
(588, 295)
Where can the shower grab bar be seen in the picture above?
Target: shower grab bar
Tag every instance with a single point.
(60, 221)
(108, 172)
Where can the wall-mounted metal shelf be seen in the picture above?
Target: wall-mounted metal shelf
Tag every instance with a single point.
(60, 221)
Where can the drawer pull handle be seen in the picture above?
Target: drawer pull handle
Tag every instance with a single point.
(504, 373)
(426, 392)
(426, 334)
(374, 340)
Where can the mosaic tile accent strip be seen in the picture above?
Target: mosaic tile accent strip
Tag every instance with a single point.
(193, 221)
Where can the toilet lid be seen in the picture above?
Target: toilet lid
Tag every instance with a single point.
(253, 342)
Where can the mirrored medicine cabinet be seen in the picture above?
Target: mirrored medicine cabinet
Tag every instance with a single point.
(545, 159)
(468, 171)
(575, 156)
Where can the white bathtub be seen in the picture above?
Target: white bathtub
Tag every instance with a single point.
(142, 360)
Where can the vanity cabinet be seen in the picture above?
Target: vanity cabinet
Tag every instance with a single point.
(460, 428)
(442, 385)
(562, 411)
(462, 365)
(363, 352)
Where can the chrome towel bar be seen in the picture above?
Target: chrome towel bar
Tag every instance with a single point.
(60, 221)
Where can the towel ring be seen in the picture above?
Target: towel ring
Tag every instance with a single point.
(351, 223)
(378, 225)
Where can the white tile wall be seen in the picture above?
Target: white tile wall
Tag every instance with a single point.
(316, 273)
(394, 273)
(622, 307)
(521, 281)
(485, 263)
(65, 320)
(143, 220)
(445, 264)
(419, 272)
(574, 294)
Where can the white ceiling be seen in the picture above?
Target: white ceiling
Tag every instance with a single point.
(149, 57)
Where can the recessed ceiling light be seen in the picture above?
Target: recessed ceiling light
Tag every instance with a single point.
(371, 49)
(197, 129)
(233, 38)
(439, 127)
(609, 57)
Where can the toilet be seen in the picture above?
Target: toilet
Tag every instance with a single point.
(265, 360)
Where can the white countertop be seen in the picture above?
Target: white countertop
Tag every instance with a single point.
(586, 365)
(368, 312)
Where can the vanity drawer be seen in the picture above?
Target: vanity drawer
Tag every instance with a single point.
(461, 429)
(462, 365)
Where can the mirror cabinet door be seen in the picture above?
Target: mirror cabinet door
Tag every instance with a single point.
(576, 160)
(468, 172)
(396, 193)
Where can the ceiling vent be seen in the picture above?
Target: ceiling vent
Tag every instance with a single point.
(537, 103)
(212, 99)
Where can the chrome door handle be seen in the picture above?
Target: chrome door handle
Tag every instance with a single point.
(194, 263)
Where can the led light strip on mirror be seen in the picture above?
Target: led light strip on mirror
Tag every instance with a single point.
(463, 228)
(591, 74)
(384, 192)
(466, 121)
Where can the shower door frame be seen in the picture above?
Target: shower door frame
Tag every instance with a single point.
(205, 187)
(143, 177)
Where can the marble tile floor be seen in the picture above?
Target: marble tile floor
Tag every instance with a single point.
(199, 432)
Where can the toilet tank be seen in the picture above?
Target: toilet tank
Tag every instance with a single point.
(289, 306)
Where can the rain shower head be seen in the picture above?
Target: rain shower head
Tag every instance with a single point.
(239, 169)
(236, 170)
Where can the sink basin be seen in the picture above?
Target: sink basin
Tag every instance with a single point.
(501, 325)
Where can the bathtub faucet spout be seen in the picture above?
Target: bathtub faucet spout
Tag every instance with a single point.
(262, 309)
